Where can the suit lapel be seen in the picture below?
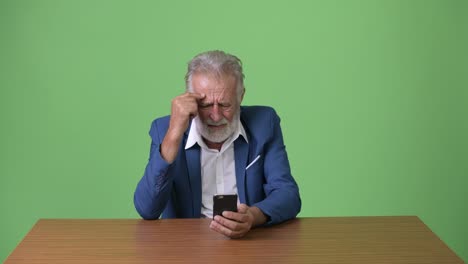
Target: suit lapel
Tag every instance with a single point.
(194, 171)
(241, 153)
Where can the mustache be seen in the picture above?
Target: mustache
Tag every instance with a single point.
(220, 122)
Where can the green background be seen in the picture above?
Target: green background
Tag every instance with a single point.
(372, 95)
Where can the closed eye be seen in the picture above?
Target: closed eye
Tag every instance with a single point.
(224, 105)
(204, 106)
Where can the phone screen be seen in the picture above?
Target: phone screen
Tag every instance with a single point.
(224, 202)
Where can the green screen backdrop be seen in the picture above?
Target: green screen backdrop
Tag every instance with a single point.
(372, 95)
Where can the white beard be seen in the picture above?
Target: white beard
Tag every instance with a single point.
(218, 135)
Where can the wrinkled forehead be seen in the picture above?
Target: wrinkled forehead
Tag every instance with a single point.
(216, 87)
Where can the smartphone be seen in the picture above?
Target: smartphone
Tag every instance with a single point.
(224, 202)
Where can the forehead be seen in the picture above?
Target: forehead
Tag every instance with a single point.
(212, 85)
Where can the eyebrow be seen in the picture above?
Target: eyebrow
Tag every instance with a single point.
(205, 103)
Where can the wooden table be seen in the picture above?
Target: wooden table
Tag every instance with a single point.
(393, 240)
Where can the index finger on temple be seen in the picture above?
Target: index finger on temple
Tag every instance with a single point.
(197, 95)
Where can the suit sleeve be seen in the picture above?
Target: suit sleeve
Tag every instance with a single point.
(282, 200)
(153, 190)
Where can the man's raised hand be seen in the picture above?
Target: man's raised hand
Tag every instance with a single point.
(183, 108)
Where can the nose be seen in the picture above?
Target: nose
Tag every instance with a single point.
(215, 113)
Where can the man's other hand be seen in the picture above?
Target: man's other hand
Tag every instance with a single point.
(183, 108)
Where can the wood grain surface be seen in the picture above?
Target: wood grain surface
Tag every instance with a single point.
(404, 239)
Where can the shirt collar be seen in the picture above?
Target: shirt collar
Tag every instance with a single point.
(195, 137)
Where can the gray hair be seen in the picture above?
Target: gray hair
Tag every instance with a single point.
(219, 63)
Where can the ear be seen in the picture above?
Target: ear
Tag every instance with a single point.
(242, 96)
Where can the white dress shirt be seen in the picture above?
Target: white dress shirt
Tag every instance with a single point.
(218, 170)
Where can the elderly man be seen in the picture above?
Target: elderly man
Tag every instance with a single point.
(209, 145)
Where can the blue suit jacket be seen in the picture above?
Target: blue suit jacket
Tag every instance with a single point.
(174, 190)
